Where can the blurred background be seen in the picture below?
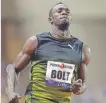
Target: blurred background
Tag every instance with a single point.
(21, 19)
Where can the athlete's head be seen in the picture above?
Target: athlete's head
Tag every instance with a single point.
(59, 15)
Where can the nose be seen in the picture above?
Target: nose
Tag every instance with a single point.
(64, 12)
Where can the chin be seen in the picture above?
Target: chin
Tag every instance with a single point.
(64, 25)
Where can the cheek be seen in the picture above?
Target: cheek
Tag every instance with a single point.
(70, 18)
(56, 16)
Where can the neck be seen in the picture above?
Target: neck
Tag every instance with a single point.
(60, 34)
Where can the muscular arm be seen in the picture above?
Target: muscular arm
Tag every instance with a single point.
(21, 61)
(82, 71)
(23, 58)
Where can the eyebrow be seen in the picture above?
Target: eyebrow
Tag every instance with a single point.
(64, 8)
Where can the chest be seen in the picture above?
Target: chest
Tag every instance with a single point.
(59, 51)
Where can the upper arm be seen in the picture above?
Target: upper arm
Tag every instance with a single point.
(30, 46)
(24, 57)
(86, 54)
(86, 57)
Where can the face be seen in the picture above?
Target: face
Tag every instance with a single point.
(61, 15)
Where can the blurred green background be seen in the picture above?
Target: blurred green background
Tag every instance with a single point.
(21, 19)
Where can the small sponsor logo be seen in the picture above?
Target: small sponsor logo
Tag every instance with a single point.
(62, 66)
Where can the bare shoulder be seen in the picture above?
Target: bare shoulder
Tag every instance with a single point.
(30, 45)
(86, 54)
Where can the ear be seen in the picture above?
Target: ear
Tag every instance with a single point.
(50, 19)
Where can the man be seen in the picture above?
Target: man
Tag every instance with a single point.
(58, 61)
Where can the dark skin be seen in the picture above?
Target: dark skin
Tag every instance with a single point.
(59, 19)
(14, 100)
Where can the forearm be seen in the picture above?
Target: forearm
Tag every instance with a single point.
(11, 79)
(13, 70)
(21, 61)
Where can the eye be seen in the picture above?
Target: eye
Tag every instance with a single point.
(59, 10)
(68, 12)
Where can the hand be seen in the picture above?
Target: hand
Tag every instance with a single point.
(14, 100)
(13, 97)
(76, 86)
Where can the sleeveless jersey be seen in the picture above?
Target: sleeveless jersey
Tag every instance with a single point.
(54, 65)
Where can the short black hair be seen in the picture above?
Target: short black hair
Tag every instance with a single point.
(50, 12)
